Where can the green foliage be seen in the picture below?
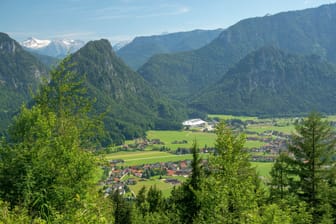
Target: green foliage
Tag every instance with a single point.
(279, 186)
(155, 199)
(44, 166)
(122, 209)
(309, 173)
(66, 96)
(185, 197)
(16, 216)
(230, 193)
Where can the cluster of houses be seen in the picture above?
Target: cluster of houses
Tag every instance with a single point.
(116, 179)
(141, 144)
(276, 142)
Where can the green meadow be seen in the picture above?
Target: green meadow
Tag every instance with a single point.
(263, 168)
(145, 157)
(230, 117)
(203, 139)
(166, 188)
(168, 137)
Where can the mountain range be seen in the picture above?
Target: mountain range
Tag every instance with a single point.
(138, 51)
(54, 48)
(131, 106)
(305, 32)
(276, 65)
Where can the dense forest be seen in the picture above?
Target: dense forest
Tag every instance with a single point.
(48, 172)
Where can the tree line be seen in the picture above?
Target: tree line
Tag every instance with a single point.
(48, 172)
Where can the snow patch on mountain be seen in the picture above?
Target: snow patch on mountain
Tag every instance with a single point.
(35, 43)
(55, 48)
(117, 46)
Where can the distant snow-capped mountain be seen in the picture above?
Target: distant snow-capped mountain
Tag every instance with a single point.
(35, 43)
(117, 46)
(54, 48)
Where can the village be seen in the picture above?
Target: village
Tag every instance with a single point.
(121, 177)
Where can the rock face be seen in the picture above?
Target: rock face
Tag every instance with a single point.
(20, 75)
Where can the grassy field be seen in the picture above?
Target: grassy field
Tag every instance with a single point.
(229, 117)
(260, 128)
(203, 139)
(263, 168)
(145, 157)
(166, 188)
(254, 144)
(168, 137)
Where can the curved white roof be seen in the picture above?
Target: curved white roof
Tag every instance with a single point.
(193, 122)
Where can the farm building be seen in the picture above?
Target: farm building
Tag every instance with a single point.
(194, 123)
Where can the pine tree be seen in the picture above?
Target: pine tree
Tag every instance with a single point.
(306, 174)
(196, 167)
(66, 96)
(141, 201)
(122, 210)
(185, 197)
(155, 199)
(279, 185)
(228, 193)
(313, 161)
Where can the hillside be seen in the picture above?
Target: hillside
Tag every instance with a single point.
(181, 75)
(20, 75)
(132, 106)
(136, 53)
(48, 61)
(271, 82)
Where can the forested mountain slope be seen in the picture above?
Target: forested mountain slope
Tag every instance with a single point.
(269, 81)
(136, 53)
(131, 104)
(20, 75)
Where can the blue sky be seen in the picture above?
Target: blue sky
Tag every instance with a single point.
(119, 20)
